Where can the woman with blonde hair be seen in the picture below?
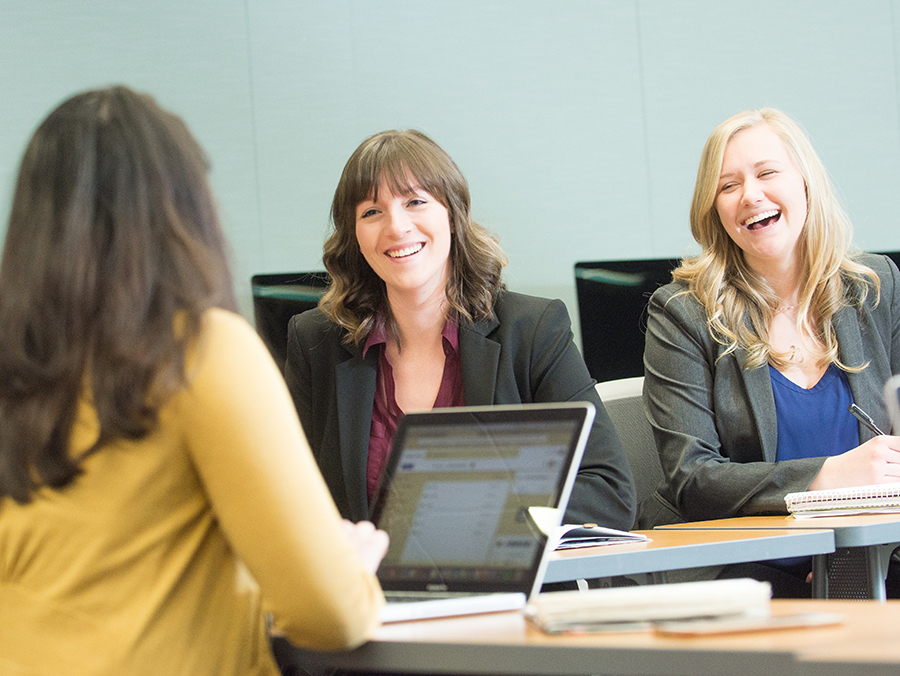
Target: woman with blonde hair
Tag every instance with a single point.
(757, 348)
(157, 494)
(417, 317)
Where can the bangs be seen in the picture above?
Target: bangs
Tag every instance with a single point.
(400, 165)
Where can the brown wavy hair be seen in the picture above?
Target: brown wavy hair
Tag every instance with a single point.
(113, 253)
(399, 161)
(739, 303)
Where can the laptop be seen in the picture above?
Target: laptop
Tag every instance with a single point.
(892, 401)
(454, 499)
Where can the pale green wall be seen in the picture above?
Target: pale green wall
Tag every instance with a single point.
(577, 122)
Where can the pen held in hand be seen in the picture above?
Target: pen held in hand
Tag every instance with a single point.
(864, 418)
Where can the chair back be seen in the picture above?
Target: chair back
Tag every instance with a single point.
(622, 400)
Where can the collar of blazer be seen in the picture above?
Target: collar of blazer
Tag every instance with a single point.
(479, 356)
(865, 385)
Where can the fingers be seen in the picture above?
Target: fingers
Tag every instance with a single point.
(370, 543)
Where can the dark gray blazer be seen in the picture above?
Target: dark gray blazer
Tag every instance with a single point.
(715, 423)
(523, 354)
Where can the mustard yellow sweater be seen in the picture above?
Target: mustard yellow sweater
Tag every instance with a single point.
(162, 557)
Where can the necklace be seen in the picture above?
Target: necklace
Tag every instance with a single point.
(784, 308)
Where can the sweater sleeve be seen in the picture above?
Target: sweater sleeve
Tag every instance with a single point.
(245, 439)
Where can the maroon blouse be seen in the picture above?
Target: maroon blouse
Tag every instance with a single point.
(385, 411)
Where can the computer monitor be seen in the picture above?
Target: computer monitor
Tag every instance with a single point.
(277, 298)
(612, 305)
(612, 302)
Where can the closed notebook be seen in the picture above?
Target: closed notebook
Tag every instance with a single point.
(623, 607)
(455, 498)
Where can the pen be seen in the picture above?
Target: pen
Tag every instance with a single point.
(864, 418)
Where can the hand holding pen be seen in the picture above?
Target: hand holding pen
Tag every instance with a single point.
(875, 461)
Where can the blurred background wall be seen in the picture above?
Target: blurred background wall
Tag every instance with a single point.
(578, 123)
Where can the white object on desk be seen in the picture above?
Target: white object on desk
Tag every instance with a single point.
(546, 518)
(600, 609)
(874, 499)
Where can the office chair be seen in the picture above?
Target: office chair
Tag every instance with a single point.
(622, 400)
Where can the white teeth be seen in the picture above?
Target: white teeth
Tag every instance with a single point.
(408, 251)
(760, 217)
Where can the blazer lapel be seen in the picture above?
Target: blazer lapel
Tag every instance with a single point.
(865, 385)
(758, 384)
(479, 356)
(355, 385)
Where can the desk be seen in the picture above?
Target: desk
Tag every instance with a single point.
(677, 549)
(503, 643)
(863, 544)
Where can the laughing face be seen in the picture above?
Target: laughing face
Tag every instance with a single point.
(406, 240)
(761, 198)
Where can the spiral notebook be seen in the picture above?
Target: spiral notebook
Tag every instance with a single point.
(875, 499)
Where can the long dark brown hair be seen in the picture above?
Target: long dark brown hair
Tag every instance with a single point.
(395, 158)
(113, 252)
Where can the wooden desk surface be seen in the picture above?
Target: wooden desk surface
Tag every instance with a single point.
(860, 530)
(676, 549)
(504, 643)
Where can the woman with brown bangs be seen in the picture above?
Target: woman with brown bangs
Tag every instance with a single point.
(150, 455)
(761, 343)
(417, 317)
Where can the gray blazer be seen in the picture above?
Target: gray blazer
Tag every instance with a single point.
(524, 353)
(715, 422)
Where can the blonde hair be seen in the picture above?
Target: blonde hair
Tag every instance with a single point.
(739, 303)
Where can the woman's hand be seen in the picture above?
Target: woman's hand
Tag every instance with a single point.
(370, 543)
(875, 462)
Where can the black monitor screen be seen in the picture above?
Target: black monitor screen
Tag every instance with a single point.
(612, 302)
(278, 297)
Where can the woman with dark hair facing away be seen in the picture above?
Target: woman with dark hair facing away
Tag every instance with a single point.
(417, 317)
(157, 493)
(757, 348)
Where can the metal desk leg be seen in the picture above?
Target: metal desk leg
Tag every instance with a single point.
(852, 573)
(820, 576)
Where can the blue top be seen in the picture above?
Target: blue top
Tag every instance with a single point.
(814, 422)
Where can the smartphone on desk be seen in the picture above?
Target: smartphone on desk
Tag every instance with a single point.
(738, 624)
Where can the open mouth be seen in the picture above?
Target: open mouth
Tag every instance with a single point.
(762, 220)
(406, 251)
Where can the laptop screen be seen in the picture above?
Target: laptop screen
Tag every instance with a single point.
(456, 492)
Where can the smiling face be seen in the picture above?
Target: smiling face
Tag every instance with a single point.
(406, 241)
(761, 198)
